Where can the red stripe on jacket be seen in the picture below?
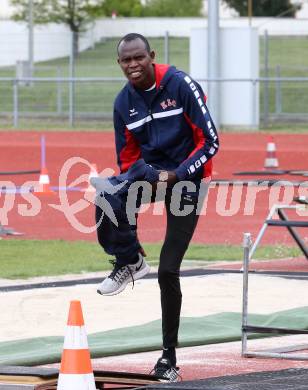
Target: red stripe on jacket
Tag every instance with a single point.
(130, 153)
(160, 71)
(199, 140)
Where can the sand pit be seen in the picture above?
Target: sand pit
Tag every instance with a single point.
(43, 312)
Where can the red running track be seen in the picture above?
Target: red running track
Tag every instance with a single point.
(228, 212)
(205, 361)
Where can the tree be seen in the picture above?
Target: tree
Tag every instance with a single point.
(264, 7)
(76, 14)
(121, 7)
(172, 8)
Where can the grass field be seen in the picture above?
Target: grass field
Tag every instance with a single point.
(286, 58)
(90, 97)
(97, 97)
(30, 258)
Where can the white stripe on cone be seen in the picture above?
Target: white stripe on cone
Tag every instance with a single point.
(271, 147)
(271, 163)
(76, 382)
(75, 338)
(44, 179)
(93, 173)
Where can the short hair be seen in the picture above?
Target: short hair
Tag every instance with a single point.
(131, 37)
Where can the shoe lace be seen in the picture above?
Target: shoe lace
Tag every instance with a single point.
(118, 270)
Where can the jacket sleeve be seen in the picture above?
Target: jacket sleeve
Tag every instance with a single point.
(127, 147)
(204, 132)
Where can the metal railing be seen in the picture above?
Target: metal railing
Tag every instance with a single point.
(248, 328)
(68, 99)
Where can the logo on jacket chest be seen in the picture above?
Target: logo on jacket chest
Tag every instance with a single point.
(133, 112)
(168, 103)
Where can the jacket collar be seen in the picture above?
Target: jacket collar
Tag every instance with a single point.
(163, 73)
(161, 70)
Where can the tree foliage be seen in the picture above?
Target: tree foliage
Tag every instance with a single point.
(173, 8)
(283, 8)
(74, 13)
(121, 7)
(150, 7)
(78, 13)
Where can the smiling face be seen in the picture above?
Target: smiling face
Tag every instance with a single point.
(137, 63)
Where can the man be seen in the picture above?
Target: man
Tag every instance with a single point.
(162, 127)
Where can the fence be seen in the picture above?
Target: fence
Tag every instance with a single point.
(72, 101)
(61, 92)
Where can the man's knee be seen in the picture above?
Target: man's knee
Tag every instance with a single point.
(167, 276)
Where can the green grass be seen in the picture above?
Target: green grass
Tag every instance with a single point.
(50, 126)
(92, 97)
(294, 128)
(30, 258)
(287, 52)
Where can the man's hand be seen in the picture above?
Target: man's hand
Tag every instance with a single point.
(142, 252)
(168, 177)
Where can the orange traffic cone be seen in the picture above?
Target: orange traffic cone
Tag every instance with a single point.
(44, 183)
(93, 173)
(76, 368)
(271, 160)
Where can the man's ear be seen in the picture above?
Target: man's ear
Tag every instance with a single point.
(118, 61)
(152, 54)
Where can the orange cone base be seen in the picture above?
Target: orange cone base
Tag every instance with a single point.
(43, 185)
(44, 192)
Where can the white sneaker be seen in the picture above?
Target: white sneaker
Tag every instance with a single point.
(122, 275)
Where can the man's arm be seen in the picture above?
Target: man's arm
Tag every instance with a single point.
(127, 147)
(205, 135)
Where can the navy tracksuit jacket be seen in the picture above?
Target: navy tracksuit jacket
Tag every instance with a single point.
(176, 133)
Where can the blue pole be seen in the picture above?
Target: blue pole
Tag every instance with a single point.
(214, 60)
(43, 152)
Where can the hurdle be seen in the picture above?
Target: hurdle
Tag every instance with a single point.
(8, 231)
(283, 222)
(18, 189)
(5, 231)
(281, 353)
(10, 173)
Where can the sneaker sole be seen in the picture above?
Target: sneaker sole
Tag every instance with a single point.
(175, 377)
(138, 275)
(168, 380)
(116, 292)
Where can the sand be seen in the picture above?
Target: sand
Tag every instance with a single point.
(43, 312)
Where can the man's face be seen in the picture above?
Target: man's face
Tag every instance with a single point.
(136, 63)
